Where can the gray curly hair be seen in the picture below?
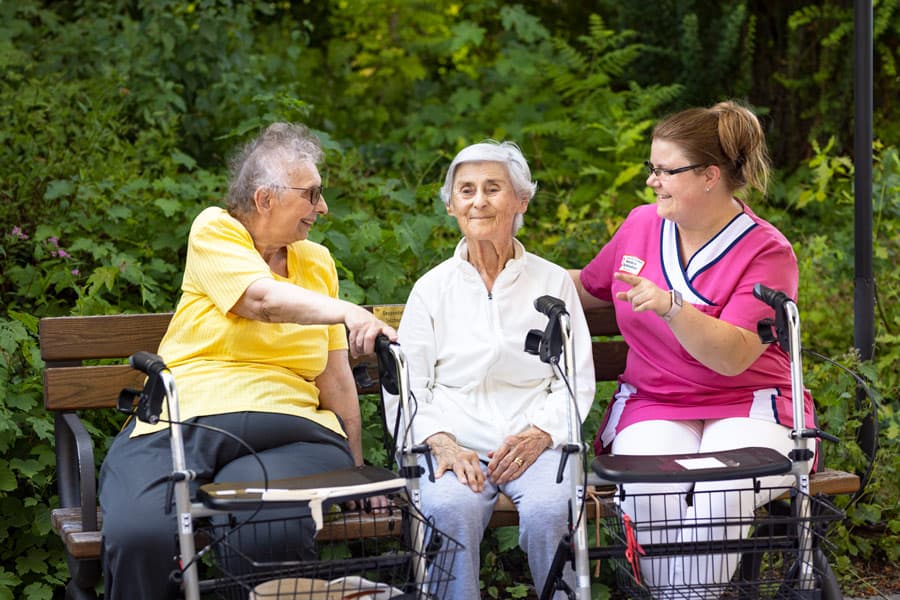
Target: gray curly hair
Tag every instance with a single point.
(267, 160)
(507, 153)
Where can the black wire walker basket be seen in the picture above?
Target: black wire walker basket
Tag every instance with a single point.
(733, 557)
(356, 554)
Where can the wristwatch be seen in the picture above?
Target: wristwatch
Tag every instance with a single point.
(677, 302)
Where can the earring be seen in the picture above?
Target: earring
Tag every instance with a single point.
(707, 190)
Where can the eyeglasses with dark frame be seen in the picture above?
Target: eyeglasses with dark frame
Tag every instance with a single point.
(314, 193)
(659, 171)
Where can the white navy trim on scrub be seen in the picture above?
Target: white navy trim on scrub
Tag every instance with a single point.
(712, 252)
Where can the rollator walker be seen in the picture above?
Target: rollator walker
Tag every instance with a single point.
(384, 553)
(782, 557)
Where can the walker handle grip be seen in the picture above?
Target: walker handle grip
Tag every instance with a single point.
(774, 298)
(387, 364)
(147, 362)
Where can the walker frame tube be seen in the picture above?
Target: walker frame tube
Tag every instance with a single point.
(801, 440)
(408, 464)
(573, 546)
(184, 514)
(576, 466)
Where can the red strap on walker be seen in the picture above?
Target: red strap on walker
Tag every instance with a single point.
(632, 550)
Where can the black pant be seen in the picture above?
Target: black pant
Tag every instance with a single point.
(139, 538)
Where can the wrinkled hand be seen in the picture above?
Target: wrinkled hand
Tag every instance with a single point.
(516, 454)
(363, 327)
(450, 456)
(644, 295)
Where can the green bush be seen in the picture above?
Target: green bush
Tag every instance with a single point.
(118, 117)
(823, 190)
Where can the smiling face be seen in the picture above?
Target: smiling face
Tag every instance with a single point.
(292, 213)
(484, 202)
(678, 196)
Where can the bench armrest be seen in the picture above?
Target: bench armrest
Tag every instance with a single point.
(77, 479)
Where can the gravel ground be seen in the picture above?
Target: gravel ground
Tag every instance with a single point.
(873, 580)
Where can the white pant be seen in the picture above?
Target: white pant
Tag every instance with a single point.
(711, 501)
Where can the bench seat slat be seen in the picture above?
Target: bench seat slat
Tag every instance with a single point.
(832, 482)
(82, 544)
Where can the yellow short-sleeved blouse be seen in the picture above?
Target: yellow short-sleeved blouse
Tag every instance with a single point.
(224, 363)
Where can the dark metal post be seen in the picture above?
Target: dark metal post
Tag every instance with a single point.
(864, 290)
(864, 282)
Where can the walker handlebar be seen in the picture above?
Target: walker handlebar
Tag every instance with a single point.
(382, 343)
(147, 362)
(550, 306)
(387, 364)
(149, 405)
(774, 298)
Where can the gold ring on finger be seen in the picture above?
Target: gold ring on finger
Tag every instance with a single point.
(518, 460)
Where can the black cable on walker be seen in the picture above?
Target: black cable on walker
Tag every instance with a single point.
(871, 440)
(549, 345)
(388, 369)
(777, 331)
(149, 410)
(387, 376)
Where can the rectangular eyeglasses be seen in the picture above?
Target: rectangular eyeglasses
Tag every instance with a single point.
(659, 171)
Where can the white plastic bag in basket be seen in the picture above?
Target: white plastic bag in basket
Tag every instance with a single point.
(299, 588)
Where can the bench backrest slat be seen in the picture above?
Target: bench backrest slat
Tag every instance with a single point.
(67, 341)
(609, 359)
(602, 322)
(76, 388)
(103, 336)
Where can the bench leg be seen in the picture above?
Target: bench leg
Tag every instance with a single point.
(86, 574)
(73, 592)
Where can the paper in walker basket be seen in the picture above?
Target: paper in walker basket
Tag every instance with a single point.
(343, 588)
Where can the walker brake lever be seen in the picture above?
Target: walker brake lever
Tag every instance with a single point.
(566, 451)
(563, 457)
(429, 463)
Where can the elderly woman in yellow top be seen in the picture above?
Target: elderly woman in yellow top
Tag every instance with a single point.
(258, 348)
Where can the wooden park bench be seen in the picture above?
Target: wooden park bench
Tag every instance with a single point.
(73, 390)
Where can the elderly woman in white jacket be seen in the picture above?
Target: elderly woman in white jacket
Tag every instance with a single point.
(493, 415)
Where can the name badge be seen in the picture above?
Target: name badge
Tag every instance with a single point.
(632, 265)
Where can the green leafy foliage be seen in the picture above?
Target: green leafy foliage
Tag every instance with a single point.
(822, 106)
(31, 553)
(500, 555)
(118, 118)
(823, 189)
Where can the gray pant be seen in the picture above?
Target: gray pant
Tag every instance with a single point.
(139, 537)
(464, 515)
